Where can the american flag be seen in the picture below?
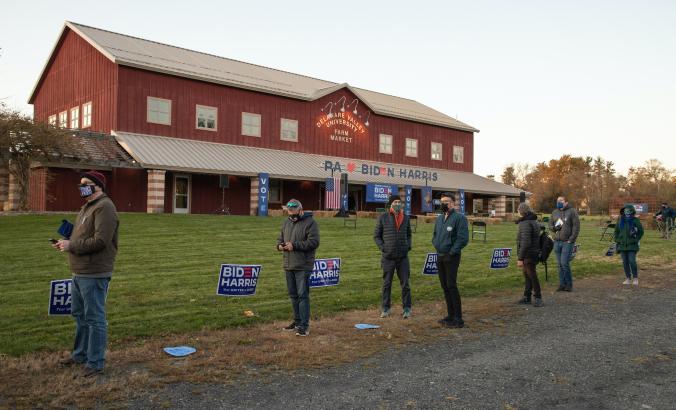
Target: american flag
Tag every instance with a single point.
(332, 195)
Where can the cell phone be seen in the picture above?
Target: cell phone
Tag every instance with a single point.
(53, 240)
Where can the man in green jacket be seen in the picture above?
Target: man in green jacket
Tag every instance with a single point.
(450, 236)
(92, 249)
(628, 234)
(298, 240)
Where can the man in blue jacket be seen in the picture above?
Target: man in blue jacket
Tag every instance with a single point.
(450, 236)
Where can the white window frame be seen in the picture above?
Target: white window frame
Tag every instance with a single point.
(244, 124)
(459, 149)
(412, 151)
(63, 119)
(385, 148)
(149, 111)
(439, 151)
(289, 125)
(75, 118)
(87, 114)
(188, 195)
(51, 120)
(206, 109)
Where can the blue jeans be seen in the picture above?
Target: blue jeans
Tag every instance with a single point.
(298, 285)
(563, 250)
(91, 328)
(629, 264)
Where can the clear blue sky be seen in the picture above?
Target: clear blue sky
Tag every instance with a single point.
(539, 79)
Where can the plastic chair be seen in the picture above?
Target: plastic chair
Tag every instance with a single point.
(611, 234)
(350, 219)
(479, 228)
(413, 221)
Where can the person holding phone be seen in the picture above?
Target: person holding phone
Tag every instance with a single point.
(91, 250)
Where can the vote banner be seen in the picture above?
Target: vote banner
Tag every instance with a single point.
(238, 280)
(500, 258)
(326, 272)
(462, 201)
(430, 266)
(263, 193)
(408, 196)
(60, 297)
(427, 204)
(380, 192)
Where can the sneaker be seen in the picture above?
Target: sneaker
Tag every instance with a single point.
(407, 313)
(302, 332)
(445, 320)
(89, 372)
(568, 288)
(627, 282)
(69, 361)
(538, 302)
(455, 324)
(291, 327)
(561, 288)
(524, 301)
(635, 281)
(385, 313)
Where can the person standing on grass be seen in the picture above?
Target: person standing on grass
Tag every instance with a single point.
(92, 249)
(667, 214)
(628, 234)
(298, 240)
(450, 236)
(393, 237)
(565, 223)
(528, 251)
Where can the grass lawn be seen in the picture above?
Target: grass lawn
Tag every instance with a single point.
(167, 270)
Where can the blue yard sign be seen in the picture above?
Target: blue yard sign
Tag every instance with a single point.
(379, 192)
(408, 196)
(263, 193)
(430, 266)
(326, 272)
(60, 297)
(427, 202)
(462, 201)
(500, 258)
(238, 280)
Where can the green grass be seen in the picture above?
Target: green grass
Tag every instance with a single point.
(167, 269)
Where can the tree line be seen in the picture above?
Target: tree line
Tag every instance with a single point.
(591, 184)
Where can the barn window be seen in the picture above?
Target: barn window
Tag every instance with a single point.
(159, 111)
(63, 119)
(251, 124)
(206, 117)
(52, 120)
(411, 147)
(458, 154)
(75, 118)
(86, 115)
(289, 131)
(385, 144)
(436, 151)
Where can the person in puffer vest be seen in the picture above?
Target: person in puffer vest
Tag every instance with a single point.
(393, 237)
(528, 250)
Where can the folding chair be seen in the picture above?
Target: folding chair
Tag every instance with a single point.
(480, 229)
(609, 227)
(350, 219)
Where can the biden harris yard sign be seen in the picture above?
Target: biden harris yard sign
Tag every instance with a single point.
(326, 272)
(500, 258)
(238, 280)
(60, 297)
(430, 266)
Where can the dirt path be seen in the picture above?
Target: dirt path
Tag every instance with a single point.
(603, 346)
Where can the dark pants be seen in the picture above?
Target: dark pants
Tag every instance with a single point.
(448, 276)
(403, 273)
(629, 264)
(298, 285)
(532, 282)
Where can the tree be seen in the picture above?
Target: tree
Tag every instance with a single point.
(508, 176)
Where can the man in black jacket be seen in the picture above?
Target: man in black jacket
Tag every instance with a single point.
(528, 250)
(298, 240)
(393, 237)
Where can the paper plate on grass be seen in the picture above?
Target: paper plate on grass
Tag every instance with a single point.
(180, 351)
(362, 326)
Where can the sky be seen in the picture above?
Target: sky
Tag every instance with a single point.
(539, 79)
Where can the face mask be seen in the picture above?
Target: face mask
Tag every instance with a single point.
(444, 207)
(294, 218)
(559, 205)
(627, 212)
(396, 208)
(86, 190)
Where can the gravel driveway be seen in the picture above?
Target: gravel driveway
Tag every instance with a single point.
(603, 346)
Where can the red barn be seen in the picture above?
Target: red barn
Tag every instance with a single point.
(204, 132)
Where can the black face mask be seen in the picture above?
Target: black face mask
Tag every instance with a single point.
(86, 190)
(444, 207)
(294, 218)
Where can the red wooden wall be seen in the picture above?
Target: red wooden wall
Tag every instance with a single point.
(76, 74)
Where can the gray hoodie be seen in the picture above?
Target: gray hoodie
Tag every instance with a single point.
(568, 228)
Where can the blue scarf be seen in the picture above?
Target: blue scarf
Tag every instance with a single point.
(627, 219)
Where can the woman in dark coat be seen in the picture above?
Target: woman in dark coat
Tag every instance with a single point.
(528, 251)
(628, 234)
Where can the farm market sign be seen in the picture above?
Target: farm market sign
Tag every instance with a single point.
(342, 121)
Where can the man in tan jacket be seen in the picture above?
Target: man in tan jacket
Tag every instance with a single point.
(91, 248)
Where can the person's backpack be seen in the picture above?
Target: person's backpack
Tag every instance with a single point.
(546, 246)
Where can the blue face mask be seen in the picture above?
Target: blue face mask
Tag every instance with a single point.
(86, 190)
(559, 205)
(627, 213)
